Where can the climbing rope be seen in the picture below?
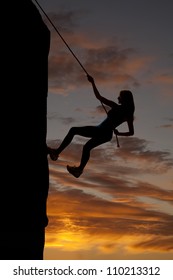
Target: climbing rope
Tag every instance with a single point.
(74, 57)
(61, 37)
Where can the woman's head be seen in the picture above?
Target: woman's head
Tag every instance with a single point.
(126, 100)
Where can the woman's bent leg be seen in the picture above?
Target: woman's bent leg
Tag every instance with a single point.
(92, 143)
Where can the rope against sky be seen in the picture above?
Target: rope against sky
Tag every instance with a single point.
(118, 145)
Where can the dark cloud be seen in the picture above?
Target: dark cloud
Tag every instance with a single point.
(115, 161)
(63, 65)
(136, 148)
(108, 64)
(111, 183)
(63, 21)
(166, 78)
(113, 60)
(168, 125)
(67, 120)
(53, 116)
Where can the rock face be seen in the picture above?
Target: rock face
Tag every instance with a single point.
(24, 164)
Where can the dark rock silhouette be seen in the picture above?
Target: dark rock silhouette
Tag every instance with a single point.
(24, 164)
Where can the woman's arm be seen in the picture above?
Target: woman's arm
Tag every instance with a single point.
(102, 99)
(130, 132)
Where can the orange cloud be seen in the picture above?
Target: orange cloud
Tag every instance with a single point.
(80, 222)
(164, 79)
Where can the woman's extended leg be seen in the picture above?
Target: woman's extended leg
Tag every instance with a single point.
(85, 131)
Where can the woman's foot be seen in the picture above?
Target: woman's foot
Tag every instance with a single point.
(52, 153)
(75, 171)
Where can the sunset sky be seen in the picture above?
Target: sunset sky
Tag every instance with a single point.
(122, 205)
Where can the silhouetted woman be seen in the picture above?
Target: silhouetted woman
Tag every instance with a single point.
(102, 133)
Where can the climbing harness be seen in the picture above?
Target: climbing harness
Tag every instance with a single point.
(118, 145)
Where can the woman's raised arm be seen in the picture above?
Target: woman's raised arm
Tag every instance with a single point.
(102, 99)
